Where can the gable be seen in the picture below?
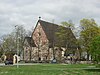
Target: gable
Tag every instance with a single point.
(29, 42)
(39, 35)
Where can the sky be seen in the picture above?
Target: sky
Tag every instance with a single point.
(26, 12)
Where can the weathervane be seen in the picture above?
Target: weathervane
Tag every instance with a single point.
(39, 18)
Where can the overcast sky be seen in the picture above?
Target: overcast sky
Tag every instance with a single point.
(26, 12)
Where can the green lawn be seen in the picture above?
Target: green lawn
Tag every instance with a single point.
(50, 69)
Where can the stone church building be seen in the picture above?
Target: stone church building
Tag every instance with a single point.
(43, 45)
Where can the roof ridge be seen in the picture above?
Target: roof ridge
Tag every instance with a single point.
(48, 22)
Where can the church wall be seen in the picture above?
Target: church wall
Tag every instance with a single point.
(42, 52)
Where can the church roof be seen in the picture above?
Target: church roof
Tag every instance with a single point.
(50, 29)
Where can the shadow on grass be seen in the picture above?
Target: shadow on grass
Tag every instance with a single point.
(93, 70)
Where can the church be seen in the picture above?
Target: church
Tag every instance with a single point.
(43, 45)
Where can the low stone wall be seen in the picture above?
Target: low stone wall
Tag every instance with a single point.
(77, 62)
(85, 62)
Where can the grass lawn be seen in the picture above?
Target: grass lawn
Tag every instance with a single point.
(50, 69)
